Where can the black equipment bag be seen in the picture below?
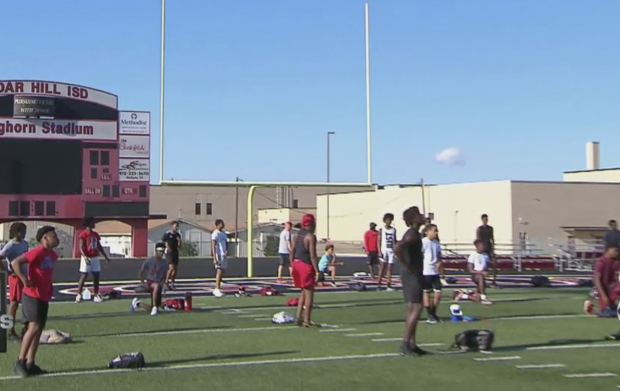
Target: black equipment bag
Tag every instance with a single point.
(540, 281)
(133, 360)
(480, 340)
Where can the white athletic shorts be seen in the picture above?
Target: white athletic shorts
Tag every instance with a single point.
(94, 266)
(223, 263)
(388, 256)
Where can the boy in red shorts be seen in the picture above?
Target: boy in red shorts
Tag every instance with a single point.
(36, 297)
(606, 271)
(153, 274)
(305, 269)
(14, 248)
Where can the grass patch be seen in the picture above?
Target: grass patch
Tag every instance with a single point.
(233, 347)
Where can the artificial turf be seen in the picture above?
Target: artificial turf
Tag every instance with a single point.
(230, 344)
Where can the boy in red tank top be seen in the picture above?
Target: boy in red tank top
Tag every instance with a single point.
(37, 293)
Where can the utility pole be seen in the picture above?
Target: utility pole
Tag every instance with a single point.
(237, 217)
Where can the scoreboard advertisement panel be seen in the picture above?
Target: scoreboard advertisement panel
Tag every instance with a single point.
(68, 152)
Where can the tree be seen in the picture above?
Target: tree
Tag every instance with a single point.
(188, 249)
(271, 246)
(32, 242)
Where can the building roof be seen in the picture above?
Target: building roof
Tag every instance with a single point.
(585, 228)
(596, 170)
(118, 228)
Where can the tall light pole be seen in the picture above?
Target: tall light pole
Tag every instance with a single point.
(368, 132)
(161, 91)
(329, 134)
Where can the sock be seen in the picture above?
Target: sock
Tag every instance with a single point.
(483, 297)
(22, 362)
(406, 344)
(429, 311)
(30, 365)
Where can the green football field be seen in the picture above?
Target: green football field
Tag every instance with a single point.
(543, 342)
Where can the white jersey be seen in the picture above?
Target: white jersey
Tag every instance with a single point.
(479, 260)
(432, 256)
(388, 239)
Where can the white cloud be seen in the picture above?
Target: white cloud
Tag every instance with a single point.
(451, 157)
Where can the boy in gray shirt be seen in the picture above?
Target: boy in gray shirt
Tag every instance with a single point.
(152, 274)
(13, 249)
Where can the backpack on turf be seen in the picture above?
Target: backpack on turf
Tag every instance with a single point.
(480, 340)
(133, 360)
(175, 304)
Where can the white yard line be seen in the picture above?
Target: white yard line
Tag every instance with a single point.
(216, 365)
(542, 317)
(197, 331)
(586, 375)
(363, 335)
(336, 330)
(254, 316)
(583, 346)
(497, 358)
(542, 366)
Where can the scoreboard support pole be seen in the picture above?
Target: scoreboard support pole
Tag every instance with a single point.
(3, 298)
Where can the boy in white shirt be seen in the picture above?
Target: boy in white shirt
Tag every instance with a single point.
(219, 249)
(387, 244)
(431, 272)
(478, 264)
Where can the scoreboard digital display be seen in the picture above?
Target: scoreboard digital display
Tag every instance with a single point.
(66, 151)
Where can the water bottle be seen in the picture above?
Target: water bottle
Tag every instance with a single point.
(86, 294)
(188, 301)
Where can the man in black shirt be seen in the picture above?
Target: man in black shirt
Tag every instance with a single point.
(172, 238)
(409, 254)
(612, 237)
(485, 234)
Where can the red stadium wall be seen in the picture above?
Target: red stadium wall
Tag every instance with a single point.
(70, 153)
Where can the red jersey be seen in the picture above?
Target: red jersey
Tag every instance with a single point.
(41, 263)
(90, 245)
(371, 238)
(608, 269)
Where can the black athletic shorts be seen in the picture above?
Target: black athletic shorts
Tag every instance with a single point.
(285, 260)
(432, 284)
(173, 257)
(34, 311)
(373, 258)
(321, 277)
(412, 286)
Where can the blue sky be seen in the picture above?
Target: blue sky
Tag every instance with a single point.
(252, 87)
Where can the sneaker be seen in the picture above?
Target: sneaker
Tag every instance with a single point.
(78, 298)
(406, 350)
(13, 337)
(172, 286)
(431, 320)
(20, 369)
(168, 309)
(419, 351)
(154, 311)
(486, 302)
(389, 289)
(587, 307)
(135, 303)
(36, 370)
(217, 293)
(97, 299)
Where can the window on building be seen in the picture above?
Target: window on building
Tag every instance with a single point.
(50, 208)
(94, 158)
(197, 209)
(295, 204)
(93, 173)
(105, 158)
(209, 209)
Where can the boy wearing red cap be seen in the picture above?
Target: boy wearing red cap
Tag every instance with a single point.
(305, 269)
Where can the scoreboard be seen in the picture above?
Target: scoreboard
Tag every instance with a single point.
(66, 152)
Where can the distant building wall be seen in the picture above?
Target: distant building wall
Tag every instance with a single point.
(610, 175)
